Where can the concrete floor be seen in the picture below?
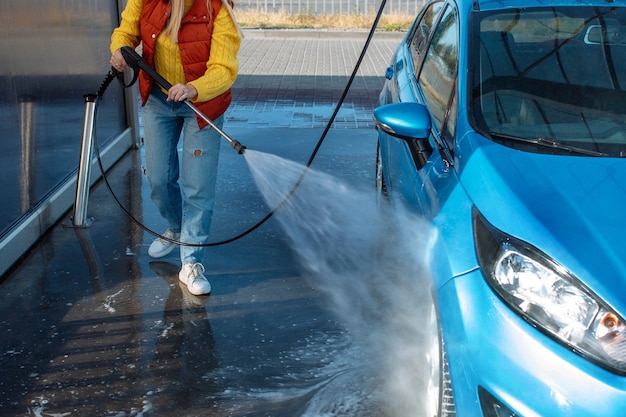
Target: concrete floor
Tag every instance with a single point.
(92, 326)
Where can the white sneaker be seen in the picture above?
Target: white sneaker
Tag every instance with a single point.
(161, 247)
(192, 276)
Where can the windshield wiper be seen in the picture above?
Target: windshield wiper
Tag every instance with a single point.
(548, 143)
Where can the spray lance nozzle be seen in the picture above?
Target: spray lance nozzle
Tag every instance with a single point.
(134, 60)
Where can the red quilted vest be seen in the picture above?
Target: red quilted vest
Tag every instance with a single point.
(194, 43)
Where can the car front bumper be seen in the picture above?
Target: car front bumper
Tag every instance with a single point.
(518, 369)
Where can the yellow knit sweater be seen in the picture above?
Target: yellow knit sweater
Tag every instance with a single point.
(222, 66)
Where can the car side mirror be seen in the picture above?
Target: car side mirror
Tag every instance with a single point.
(408, 121)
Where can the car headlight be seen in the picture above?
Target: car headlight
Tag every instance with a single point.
(550, 297)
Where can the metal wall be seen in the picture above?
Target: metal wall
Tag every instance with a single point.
(52, 53)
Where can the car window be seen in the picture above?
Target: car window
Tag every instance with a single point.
(438, 75)
(552, 76)
(421, 33)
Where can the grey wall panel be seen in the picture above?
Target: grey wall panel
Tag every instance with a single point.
(52, 53)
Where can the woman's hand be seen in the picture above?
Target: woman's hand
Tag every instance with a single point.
(180, 92)
(117, 61)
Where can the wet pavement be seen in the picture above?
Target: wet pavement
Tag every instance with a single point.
(92, 326)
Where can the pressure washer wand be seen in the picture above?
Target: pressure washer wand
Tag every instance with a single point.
(234, 143)
(134, 61)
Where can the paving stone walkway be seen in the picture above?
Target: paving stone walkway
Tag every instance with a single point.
(296, 78)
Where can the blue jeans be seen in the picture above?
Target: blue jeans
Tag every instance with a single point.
(182, 189)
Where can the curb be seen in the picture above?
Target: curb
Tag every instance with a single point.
(251, 33)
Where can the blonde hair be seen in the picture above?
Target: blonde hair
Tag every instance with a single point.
(176, 16)
(178, 12)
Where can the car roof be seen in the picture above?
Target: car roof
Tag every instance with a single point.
(508, 4)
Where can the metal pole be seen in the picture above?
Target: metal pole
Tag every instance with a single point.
(27, 152)
(84, 166)
(234, 143)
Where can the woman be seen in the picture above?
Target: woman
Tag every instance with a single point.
(193, 44)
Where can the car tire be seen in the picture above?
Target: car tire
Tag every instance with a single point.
(440, 401)
(381, 187)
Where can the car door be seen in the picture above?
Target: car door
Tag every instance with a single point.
(399, 167)
(425, 72)
(437, 90)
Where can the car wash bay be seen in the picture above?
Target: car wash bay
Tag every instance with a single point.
(91, 326)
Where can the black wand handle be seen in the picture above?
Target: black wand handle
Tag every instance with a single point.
(133, 59)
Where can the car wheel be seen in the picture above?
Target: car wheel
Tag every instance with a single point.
(440, 399)
(381, 187)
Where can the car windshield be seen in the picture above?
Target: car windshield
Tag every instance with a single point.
(551, 79)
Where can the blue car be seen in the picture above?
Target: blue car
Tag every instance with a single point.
(503, 123)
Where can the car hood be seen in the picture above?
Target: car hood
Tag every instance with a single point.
(572, 208)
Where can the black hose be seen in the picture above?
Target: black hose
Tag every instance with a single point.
(112, 75)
